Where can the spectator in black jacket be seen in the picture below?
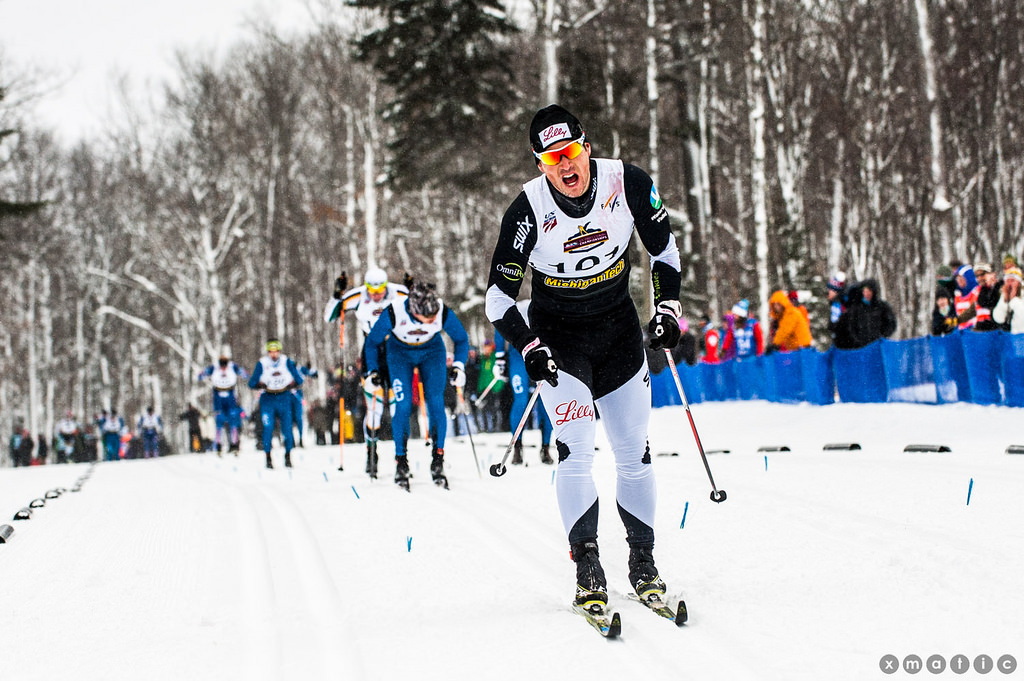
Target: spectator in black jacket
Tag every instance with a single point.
(944, 314)
(989, 291)
(195, 433)
(867, 317)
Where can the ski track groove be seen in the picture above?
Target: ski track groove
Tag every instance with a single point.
(291, 567)
(319, 590)
(256, 581)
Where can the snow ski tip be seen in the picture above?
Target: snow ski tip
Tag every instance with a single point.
(615, 628)
(681, 614)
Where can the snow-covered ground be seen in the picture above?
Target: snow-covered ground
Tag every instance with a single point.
(818, 564)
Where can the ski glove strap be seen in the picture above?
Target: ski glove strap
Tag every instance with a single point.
(373, 381)
(541, 362)
(664, 326)
(457, 375)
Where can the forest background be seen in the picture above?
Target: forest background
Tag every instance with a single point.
(790, 139)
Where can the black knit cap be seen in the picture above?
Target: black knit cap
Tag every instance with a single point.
(553, 124)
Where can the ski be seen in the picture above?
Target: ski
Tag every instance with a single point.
(609, 626)
(655, 604)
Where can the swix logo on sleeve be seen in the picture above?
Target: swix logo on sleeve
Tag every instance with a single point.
(524, 229)
(553, 133)
(573, 411)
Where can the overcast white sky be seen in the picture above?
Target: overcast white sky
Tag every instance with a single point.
(85, 44)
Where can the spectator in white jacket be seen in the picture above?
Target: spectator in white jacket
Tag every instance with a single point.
(1009, 311)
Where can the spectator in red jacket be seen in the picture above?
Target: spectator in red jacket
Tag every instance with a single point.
(710, 341)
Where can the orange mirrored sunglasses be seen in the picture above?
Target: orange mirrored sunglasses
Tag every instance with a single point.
(570, 151)
(377, 288)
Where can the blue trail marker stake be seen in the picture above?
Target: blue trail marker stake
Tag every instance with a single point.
(553, 477)
(408, 544)
(354, 491)
(325, 476)
(970, 488)
(766, 462)
(686, 508)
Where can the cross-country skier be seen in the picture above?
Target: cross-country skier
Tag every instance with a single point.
(509, 363)
(411, 329)
(67, 430)
(149, 427)
(112, 426)
(368, 302)
(276, 375)
(224, 378)
(572, 226)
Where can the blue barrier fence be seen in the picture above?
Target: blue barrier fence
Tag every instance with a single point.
(965, 366)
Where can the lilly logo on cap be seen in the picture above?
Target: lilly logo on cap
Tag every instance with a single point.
(553, 133)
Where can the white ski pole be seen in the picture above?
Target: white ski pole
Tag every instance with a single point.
(478, 400)
(498, 469)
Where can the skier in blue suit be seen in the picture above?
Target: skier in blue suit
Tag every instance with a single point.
(224, 376)
(411, 329)
(276, 375)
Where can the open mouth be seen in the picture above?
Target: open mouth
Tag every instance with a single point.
(570, 179)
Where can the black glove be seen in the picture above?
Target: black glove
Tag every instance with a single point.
(340, 285)
(500, 369)
(664, 326)
(541, 363)
(374, 381)
(457, 375)
(407, 280)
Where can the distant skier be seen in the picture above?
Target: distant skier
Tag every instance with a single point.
(411, 329)
(368, 302)
(67, 431)
(276, 375)
(224, 377)
(149, 427)
(572, 226)
(112, 426)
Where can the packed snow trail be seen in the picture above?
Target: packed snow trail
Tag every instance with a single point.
(815, 567)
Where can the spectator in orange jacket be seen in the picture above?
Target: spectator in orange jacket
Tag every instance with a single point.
(792, 329)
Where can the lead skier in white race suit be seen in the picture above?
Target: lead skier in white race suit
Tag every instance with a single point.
(368, 302)
(66, 429)
(572, 227)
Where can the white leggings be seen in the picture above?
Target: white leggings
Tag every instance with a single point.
(625, 413)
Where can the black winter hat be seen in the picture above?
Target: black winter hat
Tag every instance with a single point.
(553, 124)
